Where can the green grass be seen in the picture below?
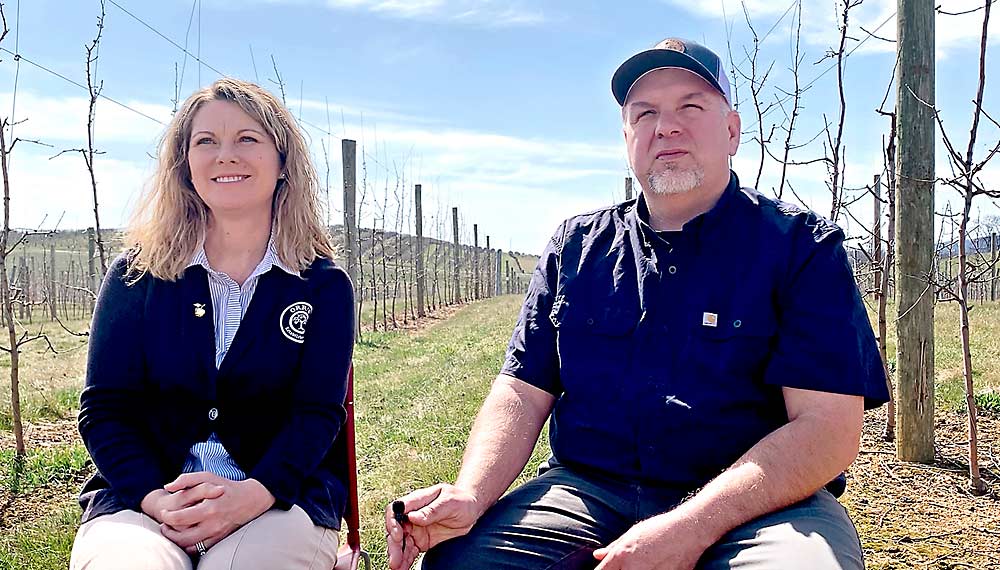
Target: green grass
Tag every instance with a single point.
(44, 466)
(988, 402)
(985, 348)
(46, 542)
(43, 545)
(50, 382)
(416, 398)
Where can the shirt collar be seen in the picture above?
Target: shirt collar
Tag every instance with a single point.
(693, 228)
(270, 259)
(275, 259)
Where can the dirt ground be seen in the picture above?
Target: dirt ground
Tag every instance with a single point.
(909, 515)
(23, 509)
(923, 516)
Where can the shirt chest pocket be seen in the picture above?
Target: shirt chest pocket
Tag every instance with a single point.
(594, 341)
(730, 347)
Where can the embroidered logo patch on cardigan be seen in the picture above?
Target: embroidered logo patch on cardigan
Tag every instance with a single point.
(293, 321)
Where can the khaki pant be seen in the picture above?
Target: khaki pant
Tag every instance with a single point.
(128, 540)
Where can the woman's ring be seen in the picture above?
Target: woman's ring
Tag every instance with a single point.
(200, 545)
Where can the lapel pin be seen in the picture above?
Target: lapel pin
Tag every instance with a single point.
(199, 310)
(709, 320)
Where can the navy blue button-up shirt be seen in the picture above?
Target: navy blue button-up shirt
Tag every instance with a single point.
(667, 351)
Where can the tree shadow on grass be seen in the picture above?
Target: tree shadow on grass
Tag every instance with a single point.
(13, 484)
(373, 343)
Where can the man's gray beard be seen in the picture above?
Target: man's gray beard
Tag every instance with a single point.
(676, 181)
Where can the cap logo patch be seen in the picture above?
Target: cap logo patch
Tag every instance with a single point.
(673, 44)
(293, 321)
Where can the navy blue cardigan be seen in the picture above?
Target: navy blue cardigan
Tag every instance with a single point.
(276, 402)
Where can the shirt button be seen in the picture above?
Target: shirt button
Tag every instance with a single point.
(737, 323)
(212, 414)
(590, 321)
(672, 269)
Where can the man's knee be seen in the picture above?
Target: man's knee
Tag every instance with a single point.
(444, 556)
(790, 552)
(815, 534)
(554, 521)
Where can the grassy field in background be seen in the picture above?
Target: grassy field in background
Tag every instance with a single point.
(985, 337)
(417, 392)
(50, 381)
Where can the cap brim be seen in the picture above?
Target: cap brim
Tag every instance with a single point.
(644, 62)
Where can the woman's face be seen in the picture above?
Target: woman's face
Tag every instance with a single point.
(233, 161)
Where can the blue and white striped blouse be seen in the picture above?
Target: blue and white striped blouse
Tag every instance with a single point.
(229, 304)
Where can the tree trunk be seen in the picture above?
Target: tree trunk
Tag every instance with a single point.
(8, 304)
(888, 264)
(975, 480)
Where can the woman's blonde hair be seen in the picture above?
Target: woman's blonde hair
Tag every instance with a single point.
(170, 220)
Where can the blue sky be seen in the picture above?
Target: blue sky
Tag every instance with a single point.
(500, 108)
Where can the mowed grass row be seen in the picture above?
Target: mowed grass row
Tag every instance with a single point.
(416, 397)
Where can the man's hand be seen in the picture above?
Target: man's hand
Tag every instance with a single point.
(436, 514)
(217, 515)
(664, 542)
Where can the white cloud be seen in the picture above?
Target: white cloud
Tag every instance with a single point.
(523, 187)
(490, 176)
(484, 13)
(517, 217)
(819, 19)
(809, 181)
(337, 110)
(50, 190)
(517, 189)
(479, 12)
(59, 120)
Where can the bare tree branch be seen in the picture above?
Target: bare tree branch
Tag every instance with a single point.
(93, 51)
(972, 11)
(278, 81)
(796, 95)
(31, 141)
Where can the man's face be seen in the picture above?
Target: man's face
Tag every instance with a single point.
(679, 132)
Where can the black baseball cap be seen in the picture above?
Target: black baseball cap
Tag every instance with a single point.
(671, 52)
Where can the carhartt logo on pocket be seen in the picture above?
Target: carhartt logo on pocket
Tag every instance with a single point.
(293, 321)
(709, 320)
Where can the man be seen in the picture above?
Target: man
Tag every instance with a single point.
(706, 360)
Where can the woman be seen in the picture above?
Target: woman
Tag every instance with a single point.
(218, 356)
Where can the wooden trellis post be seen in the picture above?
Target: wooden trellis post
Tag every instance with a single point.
(458, 256)
(421, 276)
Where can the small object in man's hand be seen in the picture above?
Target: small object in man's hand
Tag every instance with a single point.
(399, 512)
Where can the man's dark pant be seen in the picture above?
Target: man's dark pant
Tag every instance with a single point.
(557, 520)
